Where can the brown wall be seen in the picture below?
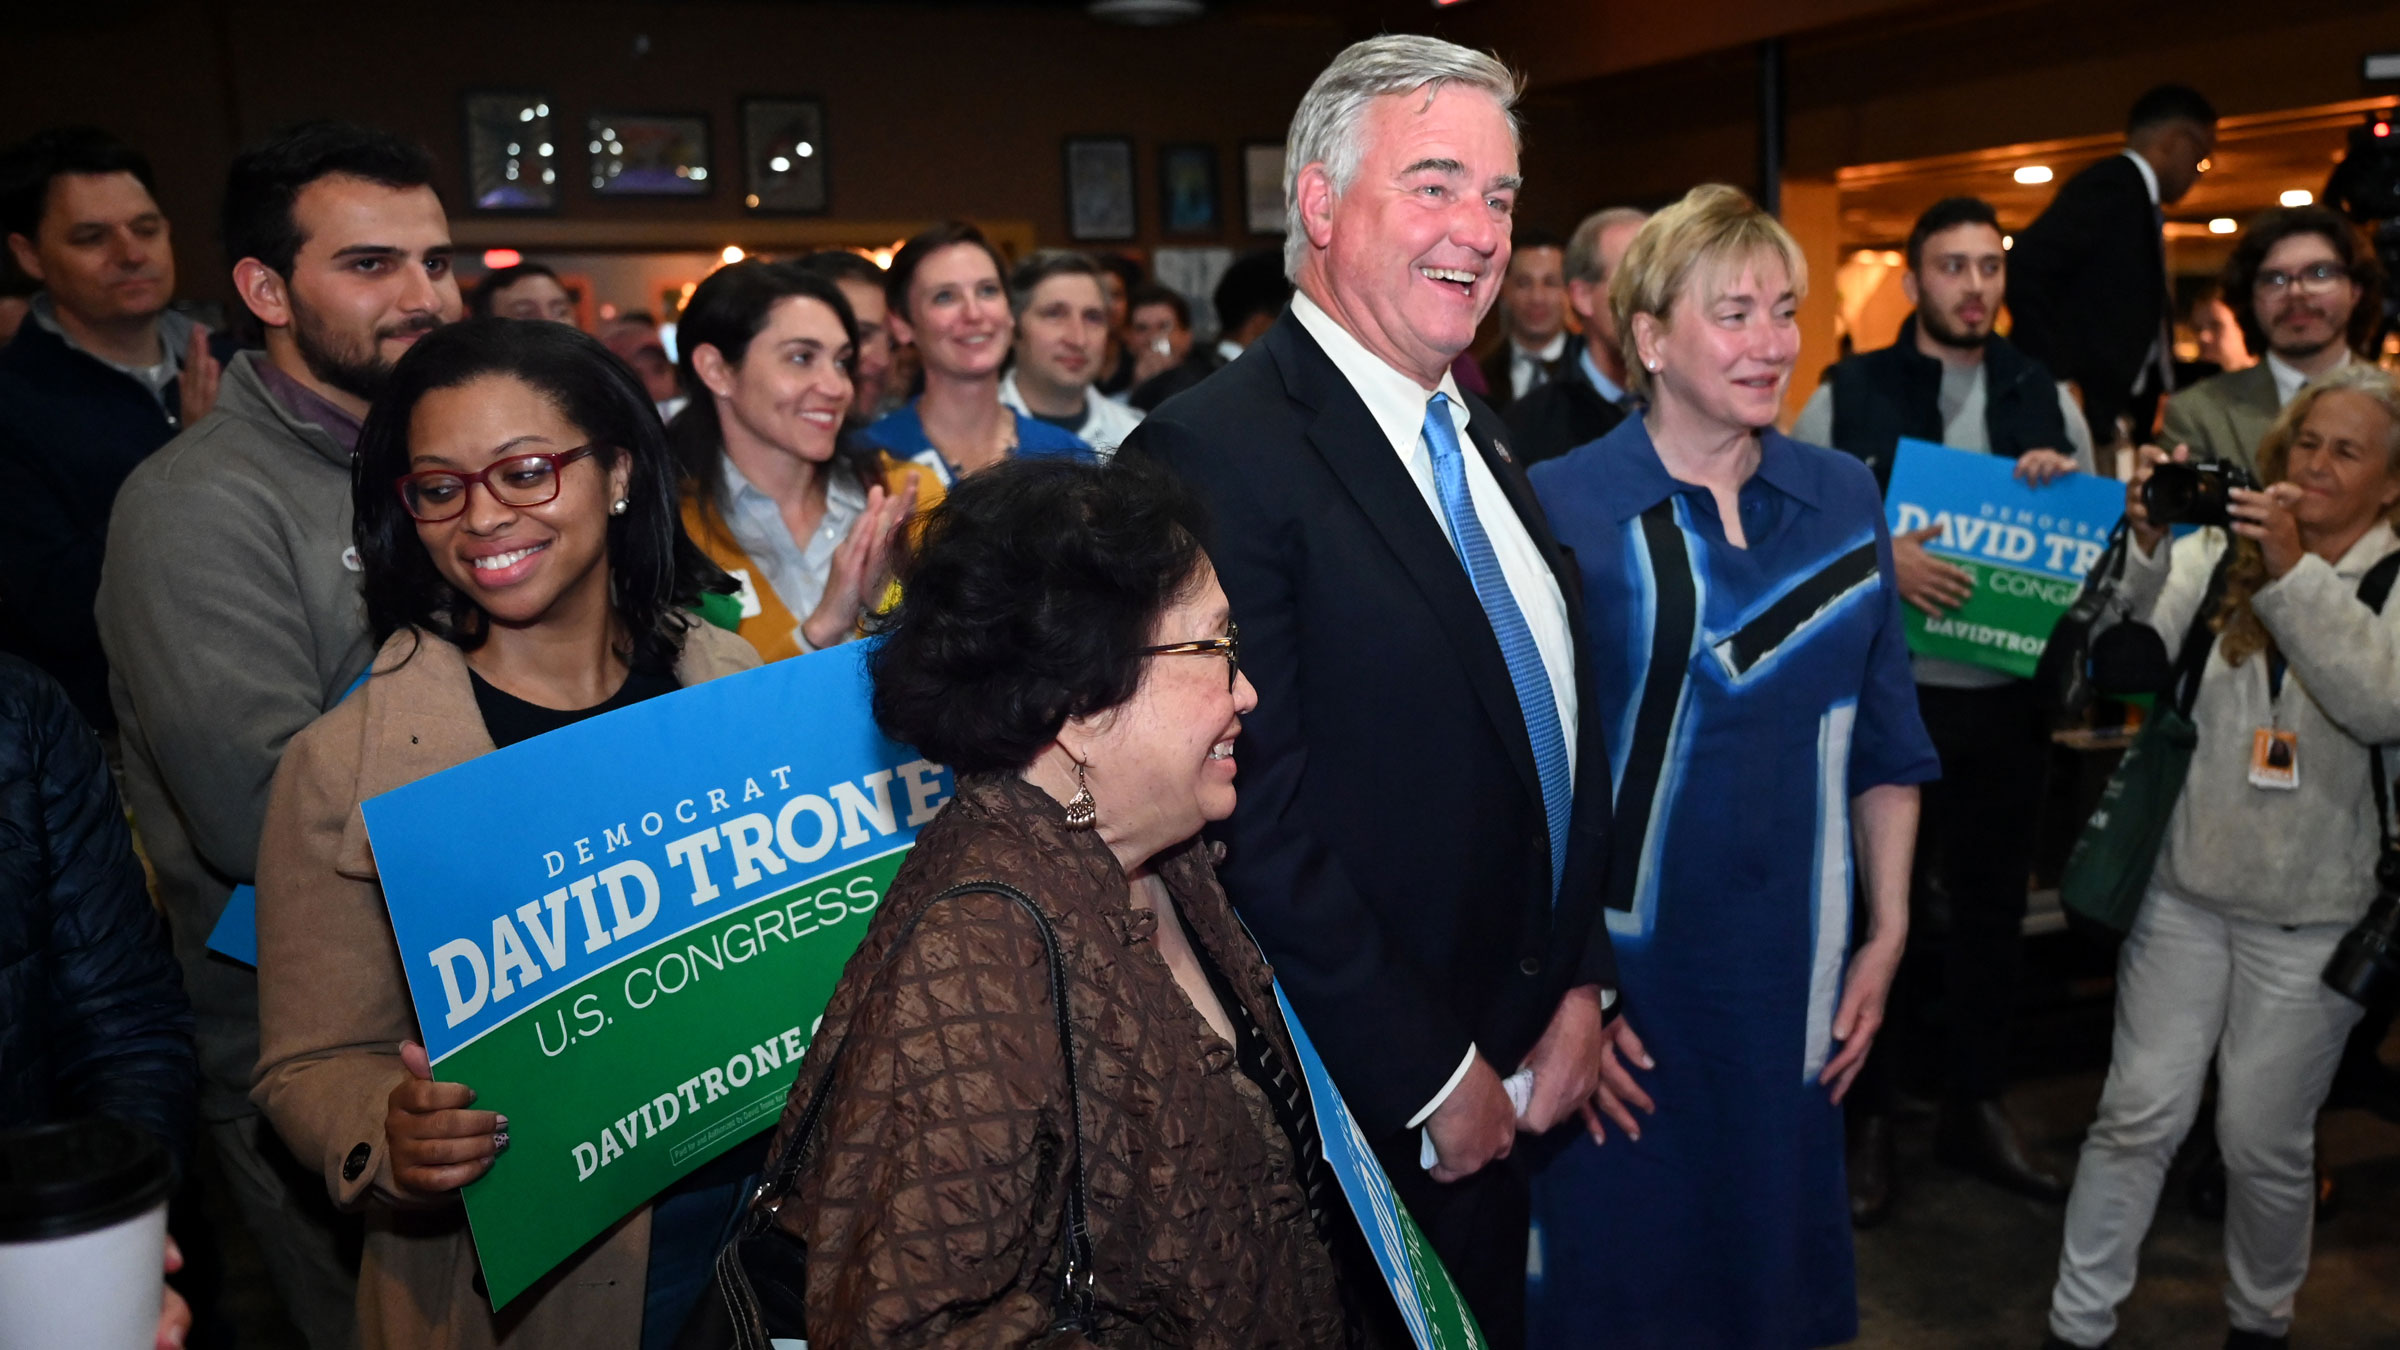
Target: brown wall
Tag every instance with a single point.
(930, 111)
(937, 110)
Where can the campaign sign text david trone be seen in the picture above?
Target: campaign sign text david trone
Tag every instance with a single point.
(621, 934)
(2026, 549)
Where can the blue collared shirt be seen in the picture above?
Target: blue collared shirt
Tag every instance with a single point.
(1591, 371)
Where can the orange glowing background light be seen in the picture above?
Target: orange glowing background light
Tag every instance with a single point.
(496, 258)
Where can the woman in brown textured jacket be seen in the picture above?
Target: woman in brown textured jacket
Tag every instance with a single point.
(516, 523)
(1062, 643)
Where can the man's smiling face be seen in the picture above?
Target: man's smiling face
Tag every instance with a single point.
(1418, 242)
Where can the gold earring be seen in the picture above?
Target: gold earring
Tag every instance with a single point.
(1082, 812)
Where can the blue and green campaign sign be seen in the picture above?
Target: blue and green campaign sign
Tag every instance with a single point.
(1436, 1314)
(622, 934)
(2026, 549)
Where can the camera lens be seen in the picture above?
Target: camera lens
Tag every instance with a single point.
(2170, 493)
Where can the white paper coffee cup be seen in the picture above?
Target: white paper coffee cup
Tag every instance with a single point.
(83, 1233)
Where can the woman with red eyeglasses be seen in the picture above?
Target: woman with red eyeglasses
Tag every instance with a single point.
(524, 568)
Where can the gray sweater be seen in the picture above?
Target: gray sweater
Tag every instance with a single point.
(2286, 857)
(231, 620)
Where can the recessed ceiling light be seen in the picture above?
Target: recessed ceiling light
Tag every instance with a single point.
(2297, 197)
(2033, 173)
(2222, 225)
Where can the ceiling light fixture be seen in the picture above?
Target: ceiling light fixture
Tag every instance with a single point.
(2297, 197)
(2222, 225)
(2032, 174)
(1146, 13)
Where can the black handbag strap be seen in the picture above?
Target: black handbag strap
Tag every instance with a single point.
(1073, 1304)
(1672, 625)
(2374, 588)
(2199, 639)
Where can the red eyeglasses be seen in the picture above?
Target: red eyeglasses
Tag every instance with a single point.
(434, 495)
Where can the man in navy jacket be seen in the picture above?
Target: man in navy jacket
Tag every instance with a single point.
(1418, 842)
(100, 374)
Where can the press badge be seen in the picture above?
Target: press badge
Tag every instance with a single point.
(2274, 759)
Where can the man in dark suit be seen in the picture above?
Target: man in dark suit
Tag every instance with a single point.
(2087, 280)
(1589, 397)
(100, 374)
(1536, 347)
(1410, 845)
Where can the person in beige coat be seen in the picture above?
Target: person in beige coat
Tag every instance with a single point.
(524, 569)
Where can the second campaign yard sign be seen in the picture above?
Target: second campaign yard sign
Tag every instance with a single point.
(2027, 549)
(621, 934)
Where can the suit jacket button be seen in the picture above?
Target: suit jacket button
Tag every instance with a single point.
(1531, 965)
(356, 1162)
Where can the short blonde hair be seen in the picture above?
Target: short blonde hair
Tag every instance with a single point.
(1713, 227)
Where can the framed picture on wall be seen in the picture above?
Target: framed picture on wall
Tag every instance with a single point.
(1100, 188)
(1187, 189)
(783, 155)
(512, 152)
(1262, 186)
(649, 154)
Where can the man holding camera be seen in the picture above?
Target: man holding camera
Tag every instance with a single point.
(1952, 380)
(2306, 290)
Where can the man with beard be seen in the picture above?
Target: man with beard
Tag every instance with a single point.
(2306, 291)
(230, 610)
(1951, 380)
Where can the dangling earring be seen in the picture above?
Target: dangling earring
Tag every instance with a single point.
(1082, 811)
(619, 506)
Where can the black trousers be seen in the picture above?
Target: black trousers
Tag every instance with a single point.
(1479, 1227)
(1955, 999)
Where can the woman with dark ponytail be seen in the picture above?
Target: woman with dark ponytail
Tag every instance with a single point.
(806, 523)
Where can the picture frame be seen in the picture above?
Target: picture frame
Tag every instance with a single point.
(648, 154)
(1100, 188)
(1187, 190)
(1262, 186)
(512, 158)
(784, 170)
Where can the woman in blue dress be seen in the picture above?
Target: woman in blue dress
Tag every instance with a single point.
(1777, 724)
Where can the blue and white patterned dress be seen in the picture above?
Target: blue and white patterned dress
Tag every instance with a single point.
(1726, 1224)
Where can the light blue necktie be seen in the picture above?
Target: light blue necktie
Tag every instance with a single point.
(1535, 701)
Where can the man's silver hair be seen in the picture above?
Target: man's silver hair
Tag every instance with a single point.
(1327, 126)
